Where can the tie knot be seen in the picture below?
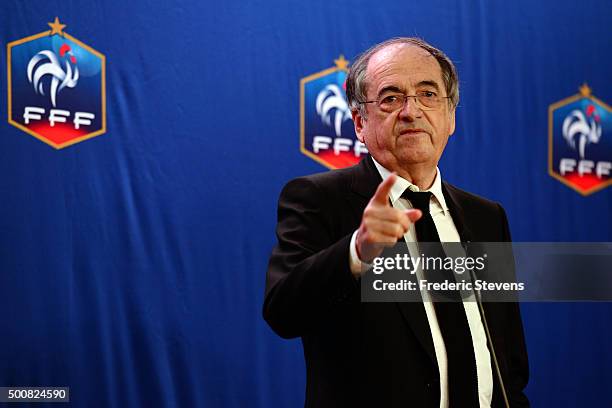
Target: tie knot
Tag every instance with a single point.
(419, 200)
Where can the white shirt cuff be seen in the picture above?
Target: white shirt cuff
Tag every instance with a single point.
(354, 261)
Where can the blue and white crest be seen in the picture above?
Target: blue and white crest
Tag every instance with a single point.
(327, 134)
(580, 142)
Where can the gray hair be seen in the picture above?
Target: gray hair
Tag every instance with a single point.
(356, 82)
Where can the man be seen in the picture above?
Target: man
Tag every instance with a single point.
(403, 94)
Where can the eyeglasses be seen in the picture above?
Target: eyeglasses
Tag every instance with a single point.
(426, 101)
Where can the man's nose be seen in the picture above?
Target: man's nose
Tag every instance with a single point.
(411, 109)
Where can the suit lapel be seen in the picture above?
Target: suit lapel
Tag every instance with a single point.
(364, 184)
(365, 180)
(415, 317)
(456, 212)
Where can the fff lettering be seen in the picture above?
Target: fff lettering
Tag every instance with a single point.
(600, 169)
(338, 144)
(31, 113)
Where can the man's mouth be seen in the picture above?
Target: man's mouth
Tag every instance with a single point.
(412, 131)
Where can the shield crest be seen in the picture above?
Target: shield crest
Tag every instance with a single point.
(327, 134)
(56, 87)
(580, 142)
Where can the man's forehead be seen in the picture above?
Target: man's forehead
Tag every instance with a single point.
(392, 51)
(404, 62)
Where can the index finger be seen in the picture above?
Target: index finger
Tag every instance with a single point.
(384, 188)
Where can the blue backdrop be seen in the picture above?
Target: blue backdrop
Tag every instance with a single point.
(132, 264)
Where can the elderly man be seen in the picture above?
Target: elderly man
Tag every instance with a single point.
(403, 94)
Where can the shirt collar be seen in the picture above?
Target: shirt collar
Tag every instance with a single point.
(401, 184)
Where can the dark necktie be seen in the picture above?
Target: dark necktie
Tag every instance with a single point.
(462, 376)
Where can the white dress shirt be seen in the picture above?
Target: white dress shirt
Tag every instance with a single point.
(448, 233)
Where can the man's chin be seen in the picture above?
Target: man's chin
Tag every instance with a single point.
(415, 157)
(415, 151)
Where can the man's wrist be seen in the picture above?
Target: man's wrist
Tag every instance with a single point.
(355, 262)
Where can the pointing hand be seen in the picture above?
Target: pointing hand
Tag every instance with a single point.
(381, 224)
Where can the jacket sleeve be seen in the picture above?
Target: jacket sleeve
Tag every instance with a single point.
(309, 270)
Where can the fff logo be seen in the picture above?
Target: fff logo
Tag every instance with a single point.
(56, 87)
(580, 142)
(327, 134)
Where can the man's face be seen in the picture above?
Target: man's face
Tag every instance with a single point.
(409, 137)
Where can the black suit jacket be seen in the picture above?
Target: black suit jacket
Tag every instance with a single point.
(370, 354)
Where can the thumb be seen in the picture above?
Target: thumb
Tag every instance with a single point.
(413, 214)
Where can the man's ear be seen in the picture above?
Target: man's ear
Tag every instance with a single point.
(358, 122)
(451, 127)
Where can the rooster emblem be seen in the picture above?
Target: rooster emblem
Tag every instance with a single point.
(577, 126)
(331, 98)
(46, 63)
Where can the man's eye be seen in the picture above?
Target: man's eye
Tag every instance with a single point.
(427, 94)
(390, 99)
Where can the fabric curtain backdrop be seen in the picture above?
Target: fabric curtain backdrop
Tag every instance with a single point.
(132, 264)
